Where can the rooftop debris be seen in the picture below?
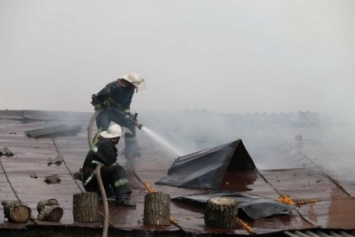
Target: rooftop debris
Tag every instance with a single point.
(60, 129)
(287, 200)
(34, 175)
(52, 179)
(255, 207)
(49, 210)
(149, 188)
(6, 152)
(15, 211)
(57, 161)
(246, 226)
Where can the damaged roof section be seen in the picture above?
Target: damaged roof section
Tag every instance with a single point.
(206, 169)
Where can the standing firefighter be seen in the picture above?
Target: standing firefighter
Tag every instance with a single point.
(113, 175)
(115, 101)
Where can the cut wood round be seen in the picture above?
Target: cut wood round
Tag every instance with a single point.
(49, 210)
(221, 212)
(51, 213)
(156, 209)
(16, 211)
(43, 203)
(86, 207)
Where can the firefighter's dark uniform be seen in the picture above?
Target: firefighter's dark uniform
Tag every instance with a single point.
(113, 175)
(112, 97)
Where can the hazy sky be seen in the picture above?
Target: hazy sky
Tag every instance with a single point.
(226, 56)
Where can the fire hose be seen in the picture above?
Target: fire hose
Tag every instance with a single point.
(90, 127)
(104, 199)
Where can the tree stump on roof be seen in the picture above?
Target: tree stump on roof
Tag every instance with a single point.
(156, 209)
(221, 212)
(86, 207)
(49, 210)
(16, 211)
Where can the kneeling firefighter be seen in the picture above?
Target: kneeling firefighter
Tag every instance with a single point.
(113, 175)
(115, 100)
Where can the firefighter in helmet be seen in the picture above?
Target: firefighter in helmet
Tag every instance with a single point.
(113, 175)
(115, 101)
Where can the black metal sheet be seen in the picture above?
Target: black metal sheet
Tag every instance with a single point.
(206, 169)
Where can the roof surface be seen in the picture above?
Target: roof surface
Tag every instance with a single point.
(284, 160)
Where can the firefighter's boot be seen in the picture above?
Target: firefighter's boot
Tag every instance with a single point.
(122, 190)
(123, 200)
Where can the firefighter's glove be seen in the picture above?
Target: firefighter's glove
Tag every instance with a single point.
(96, 102)
(129, 117)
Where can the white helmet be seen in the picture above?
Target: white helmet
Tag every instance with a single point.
(135, 79)
(113, 131)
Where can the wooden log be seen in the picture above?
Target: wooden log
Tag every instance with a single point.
(221, 212)
(86, 207)
(49, 210)
(156, 209)
(16, 211)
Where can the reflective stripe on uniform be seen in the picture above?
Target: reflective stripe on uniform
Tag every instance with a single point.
(95, 162)
(94, 148)
(89, 178)
(121, 182)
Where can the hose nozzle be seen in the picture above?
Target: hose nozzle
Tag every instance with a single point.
(135, 120)
(138, 125)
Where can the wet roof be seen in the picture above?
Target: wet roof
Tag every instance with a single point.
(283, 160)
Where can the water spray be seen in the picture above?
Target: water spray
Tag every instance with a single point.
(153, 135)
(161, 140)
(134, 120)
